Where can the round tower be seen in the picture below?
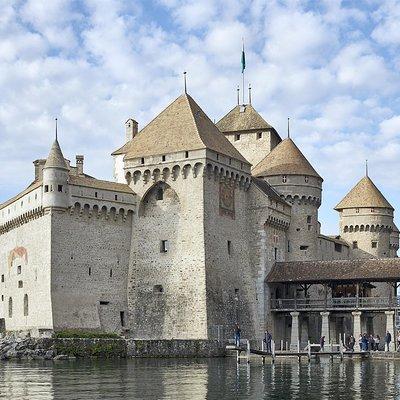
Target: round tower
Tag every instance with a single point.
(55, 179)
(287, 170)
(366, 221)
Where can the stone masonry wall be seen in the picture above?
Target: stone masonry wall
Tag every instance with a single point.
(25, 269)
(90, 257)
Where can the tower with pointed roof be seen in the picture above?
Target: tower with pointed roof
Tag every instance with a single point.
(191, 184)
(55, 180)
(366, 221)
(248, 131)
(288, 171)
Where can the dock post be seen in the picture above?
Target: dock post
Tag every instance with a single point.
(281, 344)
(262, 349)
(298, 346)
(341, 351)
(248, 351)
(273, 351)
(309, 351)
(237, 356)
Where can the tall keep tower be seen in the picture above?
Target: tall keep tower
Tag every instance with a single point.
(293, 177)
(55, 179)
(247, 130)
(366, 220)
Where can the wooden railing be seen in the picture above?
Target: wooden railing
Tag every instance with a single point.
(336, 303)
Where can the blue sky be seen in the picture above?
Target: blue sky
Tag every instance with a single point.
(332, 66)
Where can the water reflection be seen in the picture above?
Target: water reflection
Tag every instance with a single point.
(200, 379)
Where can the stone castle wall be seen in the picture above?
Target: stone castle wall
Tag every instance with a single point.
(90, 258)
(25, 287)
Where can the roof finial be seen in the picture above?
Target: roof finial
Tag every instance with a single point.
(243, 68)
(238, 94)
(288, 127)
(249, 93)
(184, 81)
(366, 167)
(56, 130)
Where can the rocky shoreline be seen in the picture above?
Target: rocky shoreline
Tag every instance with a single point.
(30, 349)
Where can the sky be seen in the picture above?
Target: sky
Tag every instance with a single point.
(332, 66)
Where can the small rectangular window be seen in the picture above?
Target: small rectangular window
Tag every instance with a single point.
(284, 178)
(237, 137)
(229, 244)
(308, 219)
(164, 246)
(160, 194)
(357, 210)
(275, 253)
(306, 179)
(158, 289)
(104, 303)
(2, 297)
(90, 271)
(288, 246)
(372, 210)
(20, 284)
(111, 272)
(259, 135)
(303, 247)
(217, 156)
(142, 160)
(116, 197)
(355, 245)
(46, 188)
(2, 278)
(186, 154)
(19, 269)
(338, 247)
(95, 194)
(374, 245)
(122, 317)
(60, 188)
(163, 158)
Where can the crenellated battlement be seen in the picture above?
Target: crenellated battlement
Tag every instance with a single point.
(212, 170)
(301, 199)
(100, 211)
(21, 220)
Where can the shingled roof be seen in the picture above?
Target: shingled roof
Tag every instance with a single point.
(285, 159)
(99, 184)
(55, 158)
(363, 270)
(242, 118)
(364, 195)
(182, 126)
(269, 190)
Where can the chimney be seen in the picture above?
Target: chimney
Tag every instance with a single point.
(79, 164)
(39, 164)
(131, 129)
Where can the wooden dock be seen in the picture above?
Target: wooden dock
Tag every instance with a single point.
(308, 353)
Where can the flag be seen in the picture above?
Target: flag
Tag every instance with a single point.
(243, 60)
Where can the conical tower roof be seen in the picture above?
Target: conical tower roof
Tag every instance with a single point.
(242, 118)
(364, 195)
(182, 126)
(55, 158)
(285, 159)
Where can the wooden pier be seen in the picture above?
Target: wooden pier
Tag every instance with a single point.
(307, 353)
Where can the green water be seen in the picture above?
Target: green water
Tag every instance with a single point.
(199, 379)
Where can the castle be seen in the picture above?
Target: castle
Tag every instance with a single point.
(182, 243)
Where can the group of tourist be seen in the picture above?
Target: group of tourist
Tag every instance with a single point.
(267, 339)
(371, 342)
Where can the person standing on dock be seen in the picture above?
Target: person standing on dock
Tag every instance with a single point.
(238, 332)
(377, 342)
(352, 342)
(322, 343)
(398, 341)
(388, 339)
(268, 341)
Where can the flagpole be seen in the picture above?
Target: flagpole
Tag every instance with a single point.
(243, 68)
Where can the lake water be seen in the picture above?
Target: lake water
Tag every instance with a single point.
(199, 379)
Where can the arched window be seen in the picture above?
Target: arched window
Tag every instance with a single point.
(10, 307)
(26, 305)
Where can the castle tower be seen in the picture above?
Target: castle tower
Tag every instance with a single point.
(293, 177)
(247, 130)
(55, 179)
(190, 265)
(366, 221)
